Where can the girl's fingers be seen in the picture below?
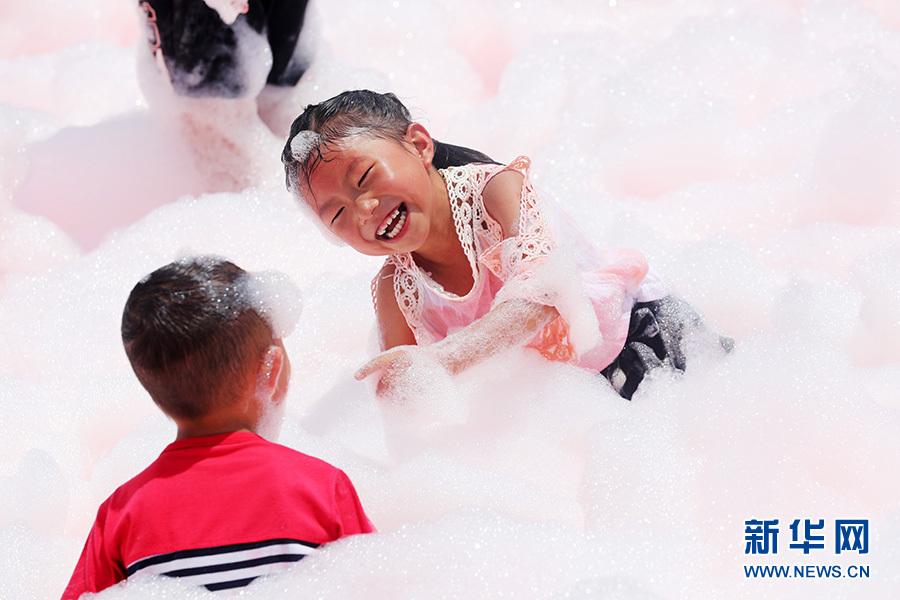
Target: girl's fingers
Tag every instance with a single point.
(376, 364)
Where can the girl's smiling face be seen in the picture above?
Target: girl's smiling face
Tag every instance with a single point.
(376, 194)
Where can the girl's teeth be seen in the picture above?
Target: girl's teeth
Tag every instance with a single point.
(383, 232)
(397, 228)
(387, 221)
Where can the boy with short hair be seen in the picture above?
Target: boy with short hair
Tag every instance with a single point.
(221, 505)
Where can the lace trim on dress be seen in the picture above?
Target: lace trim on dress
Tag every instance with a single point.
(408, 287)
(465, 212)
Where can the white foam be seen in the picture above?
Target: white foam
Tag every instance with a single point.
(744, 147)
(302, 144)
(276, 298)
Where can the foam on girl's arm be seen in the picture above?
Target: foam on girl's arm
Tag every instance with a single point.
(537, 268)
(507, 325)
(552, 280)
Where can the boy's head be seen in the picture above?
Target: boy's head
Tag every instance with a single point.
(195, 337)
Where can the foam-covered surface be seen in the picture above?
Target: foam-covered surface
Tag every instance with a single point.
(748, 147)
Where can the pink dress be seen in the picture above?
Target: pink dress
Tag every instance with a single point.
(545, 260)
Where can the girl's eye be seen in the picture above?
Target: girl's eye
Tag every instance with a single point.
(363, 178)
(337, 214)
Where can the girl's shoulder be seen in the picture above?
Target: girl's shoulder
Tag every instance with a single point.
(503, 193)
(502, 197)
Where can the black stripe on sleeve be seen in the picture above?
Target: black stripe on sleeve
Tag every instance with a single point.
(234, 566)
(182, 554)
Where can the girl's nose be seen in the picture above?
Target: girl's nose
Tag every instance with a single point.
(367, 206)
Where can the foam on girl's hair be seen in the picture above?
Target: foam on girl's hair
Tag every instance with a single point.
(303, 144)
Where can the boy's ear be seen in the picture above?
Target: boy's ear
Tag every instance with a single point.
(269, 370)
(421, 140)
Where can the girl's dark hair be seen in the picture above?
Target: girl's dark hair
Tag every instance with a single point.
(354, 112)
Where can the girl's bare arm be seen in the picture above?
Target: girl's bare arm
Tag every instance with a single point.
(393, 329)
(511, 323)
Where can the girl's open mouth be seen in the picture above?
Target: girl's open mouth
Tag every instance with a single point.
(393, 224)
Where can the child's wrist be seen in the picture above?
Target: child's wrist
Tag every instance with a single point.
(446, 353)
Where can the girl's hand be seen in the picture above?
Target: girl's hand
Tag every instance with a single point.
(417, 389)
(381, 361)
(393, 364)
(384, 360)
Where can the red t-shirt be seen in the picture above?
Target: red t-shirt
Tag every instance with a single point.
(219, 511)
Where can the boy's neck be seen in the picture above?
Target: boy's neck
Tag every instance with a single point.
(184, 434)
(225, 421)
